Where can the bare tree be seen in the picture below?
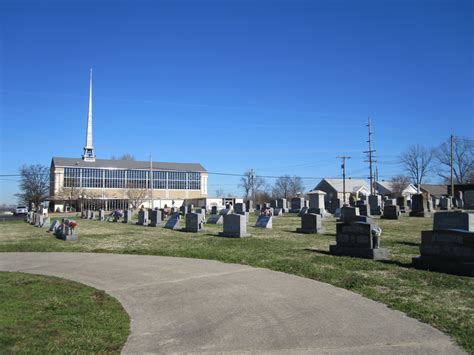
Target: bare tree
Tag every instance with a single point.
(463, 160)
(136, 197)
(69, 194)
(34, 184)
(251, 184)
(417, 162)
(220, 192)
(126, 156)
(287, 187)
(398, 184)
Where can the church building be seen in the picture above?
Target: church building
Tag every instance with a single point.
(90, 183)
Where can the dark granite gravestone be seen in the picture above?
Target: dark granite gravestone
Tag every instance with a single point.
(258, 207)
(193, 223)
(224, 212)
(264, 222)
(273, 203)
(375, 202)
(469, 200)
(364, 208)
(303, 211)
(214, 210)
(351, 214)
(83, 214)
(215, 219)
(239, 208)
(449, 247)
(65, 232)
(391, 212)
(249, 206)
(297, 203)
(311, 224)
(419, 206)
(277, 212)
(174, 221)
(445, 203)
(184, 210)
(402, 204)
(142, 217)
(357, 239)
(281, 203)
(235, 226)
(127, 216)
(155, 218)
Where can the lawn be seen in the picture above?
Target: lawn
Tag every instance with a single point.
(40, 314)
(442, 300)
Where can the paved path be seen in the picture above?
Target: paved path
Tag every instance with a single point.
(190, 305)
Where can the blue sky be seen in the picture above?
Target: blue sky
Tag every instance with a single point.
(283, 87)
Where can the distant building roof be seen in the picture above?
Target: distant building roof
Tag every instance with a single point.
(434, 190)
(352, 185)
(385, 188)
(126, 164)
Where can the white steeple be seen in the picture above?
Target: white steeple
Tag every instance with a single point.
(89, 148)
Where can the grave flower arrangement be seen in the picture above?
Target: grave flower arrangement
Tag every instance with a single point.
(72, 224)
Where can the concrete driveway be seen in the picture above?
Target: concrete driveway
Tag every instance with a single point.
(201, 306)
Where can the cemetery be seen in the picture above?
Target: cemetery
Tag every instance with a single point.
(314, 244)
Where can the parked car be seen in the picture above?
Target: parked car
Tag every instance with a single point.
(20, 210)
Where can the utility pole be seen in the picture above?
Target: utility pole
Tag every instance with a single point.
(343, 166)
(370, 157)
(452, 165)
(151, 183)
(252, 184)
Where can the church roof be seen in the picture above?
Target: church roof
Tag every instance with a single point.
(126, 164)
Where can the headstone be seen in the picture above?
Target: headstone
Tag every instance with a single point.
(402, 204)
(101, 215)
(277, 212)
(435, 201)
(202, 212)
(469, 200)
(281, 203)
(246, 214)
(258, 207)
(303, 211)
(419, 206)
(83, 214)
(274, 203)
(235, 226)
(316, 202)
(155, 218)
(311, 223)
(46, 223)
(445, 203)
(249, 206)
(215, 219)
(375, 203)
(214, 210)
(239, 208)
(297, 203)
(142, 217)
(364, 208)
(193, 223)
(449, 246)
(184, 210)
(95, 215)
(224, 212)
(390, 202)
(458, 202)
(127, 216)
(89, 214)
(173, 222)
(39, 220)
(264, 222)
(391, 212)
(358, 239)
(54, 226)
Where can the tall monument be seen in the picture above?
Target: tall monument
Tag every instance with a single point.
(89, 148)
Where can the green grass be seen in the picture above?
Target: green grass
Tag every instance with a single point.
(40, 314)
(442, 300)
